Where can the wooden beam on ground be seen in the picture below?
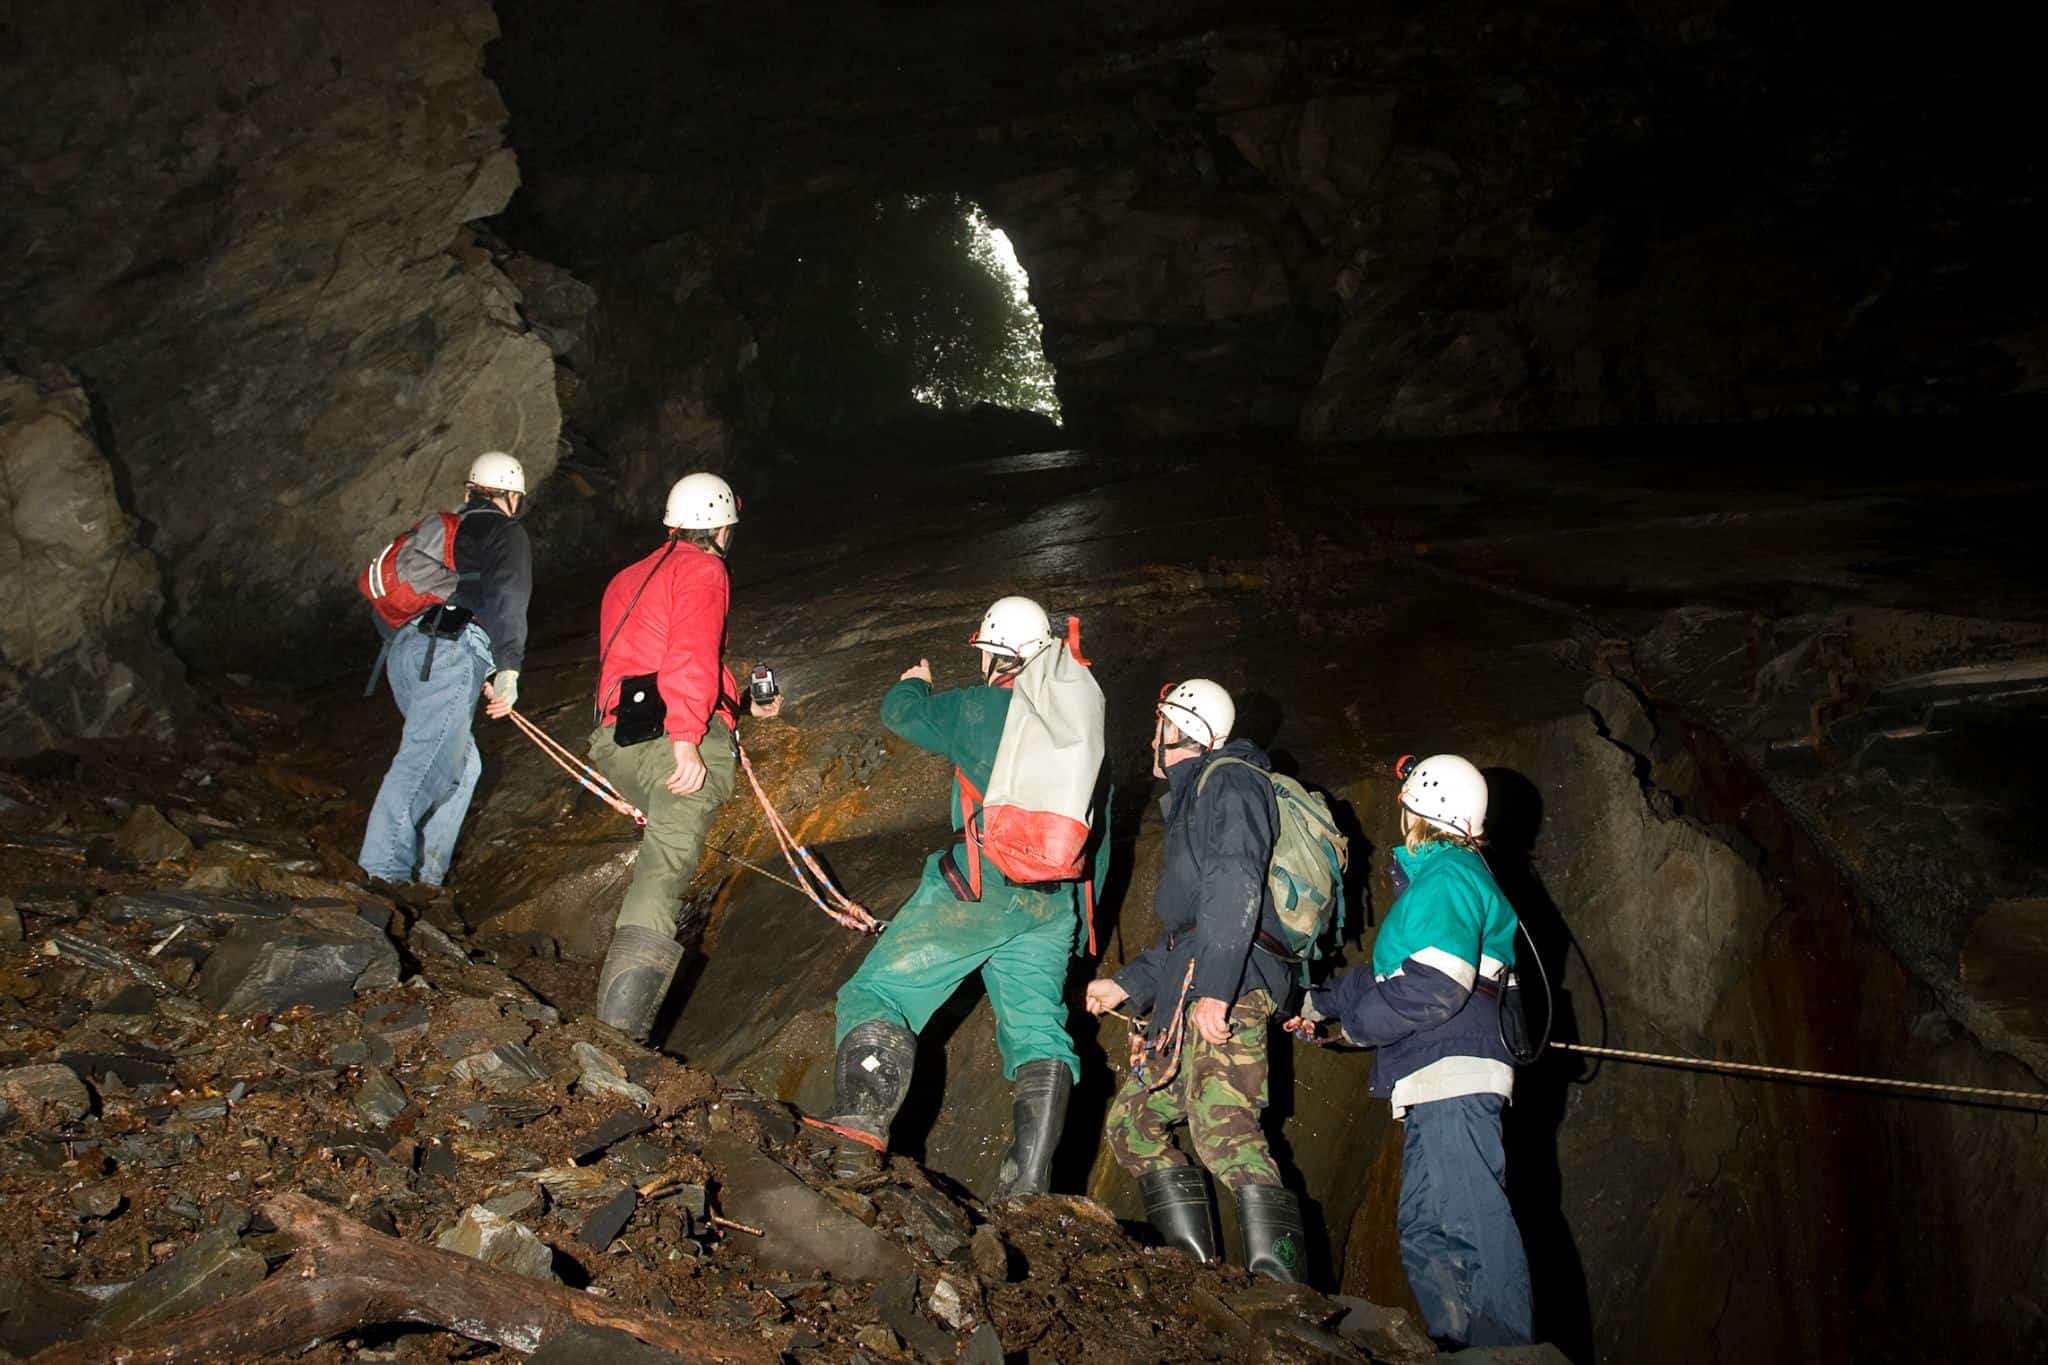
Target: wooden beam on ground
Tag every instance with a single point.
(345, 1277)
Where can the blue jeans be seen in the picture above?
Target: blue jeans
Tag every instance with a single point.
(1459, 1242)
(426, 791)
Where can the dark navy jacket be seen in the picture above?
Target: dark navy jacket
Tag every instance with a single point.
(1430, 1003)
(1211, 897)
(495, 559)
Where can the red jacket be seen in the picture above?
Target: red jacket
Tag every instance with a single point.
(676, 631)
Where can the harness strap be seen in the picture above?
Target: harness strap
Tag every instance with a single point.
(970, 807)
(377, 668)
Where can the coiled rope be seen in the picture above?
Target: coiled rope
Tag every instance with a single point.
(1166, 1047)
(1792, 1073)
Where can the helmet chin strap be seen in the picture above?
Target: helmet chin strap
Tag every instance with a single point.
(1160, 748)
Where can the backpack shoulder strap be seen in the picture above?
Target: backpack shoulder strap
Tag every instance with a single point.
(1224, 762)
(606, 653)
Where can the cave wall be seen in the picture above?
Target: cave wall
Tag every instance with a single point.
(1396, 219)
(79, 596)
(242, 227)
(1675, 1215)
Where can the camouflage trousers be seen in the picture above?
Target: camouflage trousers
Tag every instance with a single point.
(1219, 1092)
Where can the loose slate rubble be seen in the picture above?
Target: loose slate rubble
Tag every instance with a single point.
(139, 1126)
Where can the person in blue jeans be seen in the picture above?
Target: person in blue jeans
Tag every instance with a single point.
(1431, 1006)
(425, 793)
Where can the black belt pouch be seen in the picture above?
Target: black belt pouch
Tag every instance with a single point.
(642, 714)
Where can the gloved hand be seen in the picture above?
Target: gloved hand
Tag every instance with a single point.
(1309, 1010)
(502, 688)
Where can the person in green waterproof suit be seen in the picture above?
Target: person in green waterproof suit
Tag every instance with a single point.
(1018, 937)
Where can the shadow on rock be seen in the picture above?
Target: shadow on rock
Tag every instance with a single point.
(1514, 823)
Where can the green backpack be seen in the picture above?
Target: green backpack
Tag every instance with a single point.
(1306, 875)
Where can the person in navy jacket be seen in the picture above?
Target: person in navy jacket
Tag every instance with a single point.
(1431, 1007)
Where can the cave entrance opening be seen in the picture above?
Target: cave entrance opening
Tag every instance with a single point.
(898, 304)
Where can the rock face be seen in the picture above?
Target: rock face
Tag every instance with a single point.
(246, 234)
(1385, 220)
(79, 595)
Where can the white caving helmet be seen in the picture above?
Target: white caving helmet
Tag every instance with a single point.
(1447, 792)
(1014, 628)
(700, 502)
(498, 472)
(1199, 709)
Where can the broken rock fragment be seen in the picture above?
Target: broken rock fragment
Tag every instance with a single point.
(44, 1096)
(502, 1069)
(378, 1100)
(602, 1075)
(145, 837)
(497, 1241)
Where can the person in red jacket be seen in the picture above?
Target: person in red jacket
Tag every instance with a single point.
(667, 709)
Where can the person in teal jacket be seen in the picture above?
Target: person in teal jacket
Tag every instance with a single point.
(1018, 937)
(1431, 1007)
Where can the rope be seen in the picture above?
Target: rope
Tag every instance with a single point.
(813, 880)
(590, 778)
(1167, 1044)
(752, 867)
(842, 908)
(1790, 1073)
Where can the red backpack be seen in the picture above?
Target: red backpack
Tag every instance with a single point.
(415, 571)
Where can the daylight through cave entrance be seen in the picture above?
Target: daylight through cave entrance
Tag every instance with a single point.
(906, 301)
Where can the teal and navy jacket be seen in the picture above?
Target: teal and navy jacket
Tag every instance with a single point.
(1431, 1005)
(965, 725)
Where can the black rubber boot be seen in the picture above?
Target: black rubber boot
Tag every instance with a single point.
(638, 968)
(1177, 1204)
(1038, 1108)
(870, 1077)
(1269, 1219)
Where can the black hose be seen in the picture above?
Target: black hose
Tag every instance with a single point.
(1549, 1006)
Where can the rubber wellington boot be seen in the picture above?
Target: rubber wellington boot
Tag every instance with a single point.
(1177, 1204)
(637, 970)
(870, 1077)
(1038, 1109)
(1269, 1218)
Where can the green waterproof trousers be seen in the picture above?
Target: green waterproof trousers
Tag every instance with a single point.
(1018, 940)
(673, 844)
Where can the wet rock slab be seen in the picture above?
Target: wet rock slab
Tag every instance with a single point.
(316, 958)
(582, 1345)
(803, 1232)
(213, 1268)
